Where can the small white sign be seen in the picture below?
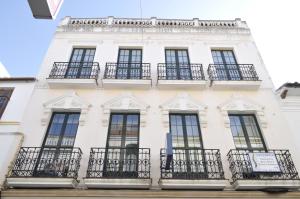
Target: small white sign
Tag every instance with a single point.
(264, 162)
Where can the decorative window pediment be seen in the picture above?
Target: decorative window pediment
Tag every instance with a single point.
(237, 104)
(67, 102)
(183, 103)
(125, 103)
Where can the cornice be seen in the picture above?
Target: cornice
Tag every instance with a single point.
(111, 24)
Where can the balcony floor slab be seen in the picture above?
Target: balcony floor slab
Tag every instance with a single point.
(182, 84)
(72, 83)
(118, 183)
(41, 182)
(266, 184)
(242, 85)
(127, 83)
(193, 184)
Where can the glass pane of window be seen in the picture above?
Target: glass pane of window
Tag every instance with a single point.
(237, 132)
(115, 134)
(70, 130)
(253, 132)
(132, 131)
(55, 129)
(245, 132)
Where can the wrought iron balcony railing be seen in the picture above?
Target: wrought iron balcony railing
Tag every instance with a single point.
(192, 164)
(47, 162)
(75, 70)
(241, 167)
(119, 163)
(236, 72)
(173, 71)
(127, 71)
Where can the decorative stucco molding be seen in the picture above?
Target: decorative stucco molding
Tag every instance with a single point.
(150, 25)
(183, 103)
(67, 102)
(125, 103)
(238, 104)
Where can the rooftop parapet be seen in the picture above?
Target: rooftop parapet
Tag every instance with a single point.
(153, 22)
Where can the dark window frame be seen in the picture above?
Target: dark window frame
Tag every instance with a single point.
(226, 64)
(129, 63)
(177, 63)
(130, 174)
(6, 93)
(81, 62)
(62, 130)
(188, 171)
(56, 151)
(245, 133)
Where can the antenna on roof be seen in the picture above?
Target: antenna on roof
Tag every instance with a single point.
(141, 16)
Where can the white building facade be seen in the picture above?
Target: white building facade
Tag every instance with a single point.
(110, 89)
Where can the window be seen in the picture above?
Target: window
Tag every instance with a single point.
(81, 62)
(246, 133)
(5, 94)
(122, 148)
(226, 65)
(57, 145)
(177, 64)
(188, 156)
(129, 64)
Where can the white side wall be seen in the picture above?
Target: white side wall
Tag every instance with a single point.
(11, 133)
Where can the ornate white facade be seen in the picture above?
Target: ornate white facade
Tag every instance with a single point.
(155, 98)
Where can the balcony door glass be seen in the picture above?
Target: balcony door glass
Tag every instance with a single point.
(122, 148)
(129, 64)
(58, 145)
(177, 64)
(188, 155)
(246, 133)
(225, 64)
(81, 63)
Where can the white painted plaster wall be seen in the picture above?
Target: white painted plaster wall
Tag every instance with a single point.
(215, 135)
(10, 130)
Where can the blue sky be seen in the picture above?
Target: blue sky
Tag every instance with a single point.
(274, 24)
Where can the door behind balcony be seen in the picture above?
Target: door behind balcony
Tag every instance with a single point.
(225, 64)
(55, 157)
(122, 148)
(129, 64)
(177, 65)
(81, 63)
(188, 155)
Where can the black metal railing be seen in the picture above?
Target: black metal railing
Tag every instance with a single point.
(245, 72)
(47, 162)
(127, 71)
(173, 71)
(241, 167)
(119, 163)
(75, 70)
(192, 164)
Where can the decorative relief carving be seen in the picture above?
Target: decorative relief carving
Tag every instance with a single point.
(125, 103)
(237, 104)
(183, 103)
(67, 102)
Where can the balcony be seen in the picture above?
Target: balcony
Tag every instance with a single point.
(37, 167)
(233, 76)
(186, 76)
(127, 75)
(119, 168)
(282, 176)
(192, 168)
(74, 75)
